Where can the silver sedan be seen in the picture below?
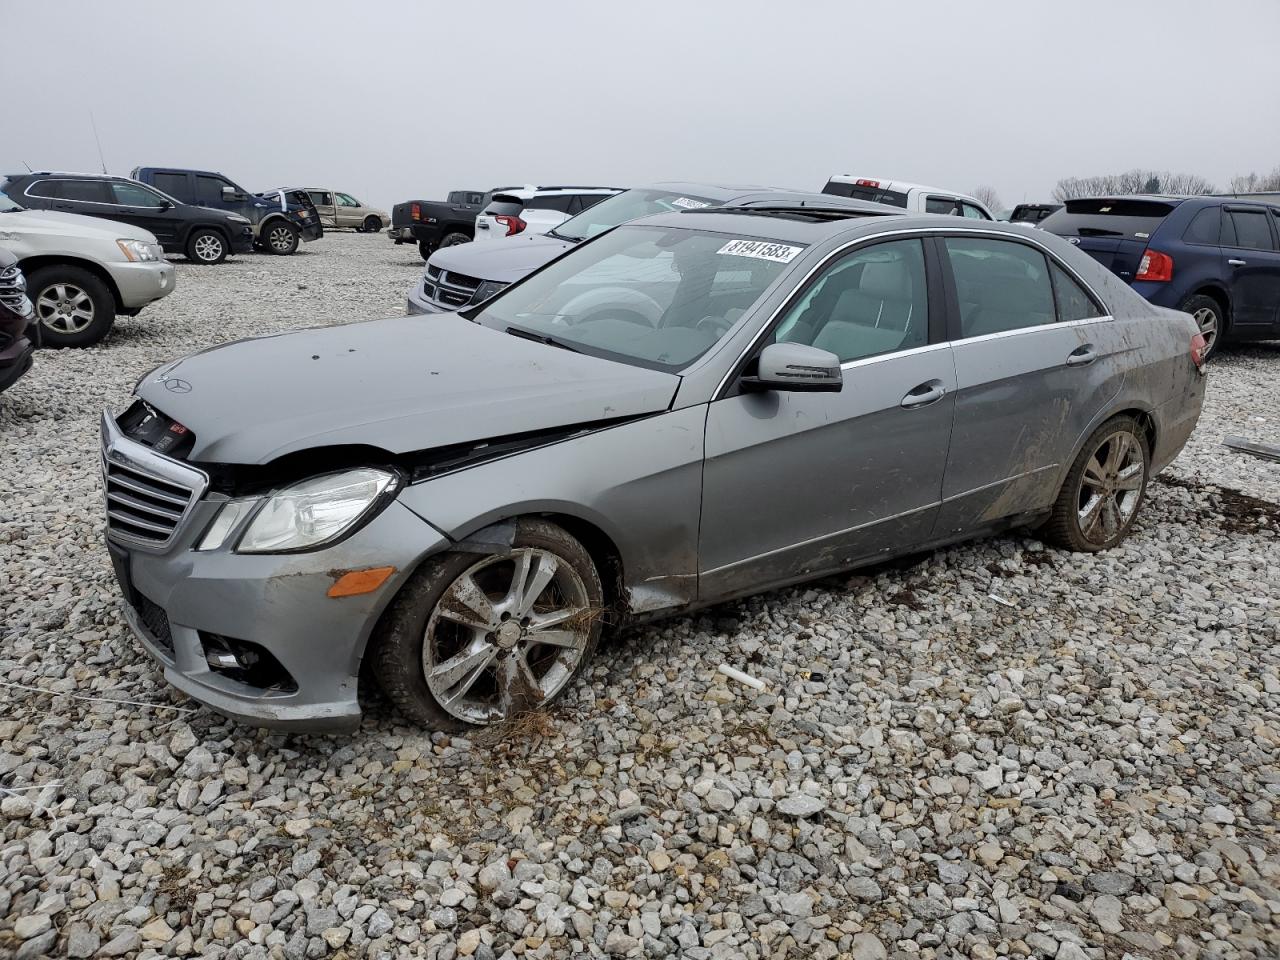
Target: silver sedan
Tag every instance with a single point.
(683, 410)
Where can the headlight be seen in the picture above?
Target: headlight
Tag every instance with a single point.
(488, 289)
(311, 513)
(236, 218)
(139, 252)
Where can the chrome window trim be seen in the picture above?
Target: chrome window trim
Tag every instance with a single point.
(893, 354)
(100, 203)
(1001, 334)
(942, 231)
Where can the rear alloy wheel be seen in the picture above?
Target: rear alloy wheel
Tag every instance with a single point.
(372, 225)
(206, 247)
(1208, 316)
(1106, 486)
(74, 307)
(282, 238)
(476, 639)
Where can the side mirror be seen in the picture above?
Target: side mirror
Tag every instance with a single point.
(165, 205)
(795, 367)
(228, 193)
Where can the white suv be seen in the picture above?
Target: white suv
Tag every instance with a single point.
(83, 271)
(535, 209)
(910, 196)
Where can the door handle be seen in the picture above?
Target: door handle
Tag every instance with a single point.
(1081, 356)
(925, 394)
(1237, 263)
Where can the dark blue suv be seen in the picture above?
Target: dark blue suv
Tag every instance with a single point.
(1217, 258)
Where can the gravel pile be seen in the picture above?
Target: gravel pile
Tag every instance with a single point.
(998, 750)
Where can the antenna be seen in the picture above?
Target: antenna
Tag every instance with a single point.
(97, 140)
(28, 166)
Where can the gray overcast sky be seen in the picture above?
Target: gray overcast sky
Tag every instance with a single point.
(392, 100)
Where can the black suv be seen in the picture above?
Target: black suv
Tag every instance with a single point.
(280, 219)
(205, 236)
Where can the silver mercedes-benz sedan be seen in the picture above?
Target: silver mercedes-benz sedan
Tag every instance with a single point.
(685, 409)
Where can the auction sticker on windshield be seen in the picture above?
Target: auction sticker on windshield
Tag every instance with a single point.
(760, 250)
(688, 204)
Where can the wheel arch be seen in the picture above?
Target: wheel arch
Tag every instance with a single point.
(1129, 407)
(38, 261)
(1218, 293)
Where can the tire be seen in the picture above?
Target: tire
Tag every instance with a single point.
(280, 238)
(435, 620)
(207, 247)
(1209, 317)
(454, 238)
(1101, 497)
(372, 225)
(425, 250)
(73, 306)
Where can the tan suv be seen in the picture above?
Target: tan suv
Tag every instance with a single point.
(338, 209)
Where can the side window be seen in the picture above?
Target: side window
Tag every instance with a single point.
(43, 188)
(1073, 302)
(873, 301)
(591, 199)
(1253, 232)
(1204, 227)
(321, 199)
(174, 184)
(84, 191)
(346, 200)
(1001, 285)
(209, 189)
(972, 212)
(134, 195)
(943, 205)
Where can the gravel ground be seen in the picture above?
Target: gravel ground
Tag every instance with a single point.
(1087, 769)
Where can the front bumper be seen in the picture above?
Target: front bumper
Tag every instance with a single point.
(183, 604)
(142, 283)
(417, 302)
(242, 242)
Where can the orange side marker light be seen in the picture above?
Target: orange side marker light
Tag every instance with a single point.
(356, 582)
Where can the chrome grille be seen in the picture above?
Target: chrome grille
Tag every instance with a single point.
(449, 290)
(148, 495)
(13, 292)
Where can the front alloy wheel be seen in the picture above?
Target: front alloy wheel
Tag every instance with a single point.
(65, 308)
(473, 640)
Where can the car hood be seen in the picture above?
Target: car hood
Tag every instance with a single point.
(506, 260)
(71, 225)
(400, 384)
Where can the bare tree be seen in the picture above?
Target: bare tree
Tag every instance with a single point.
(1130, 182)
(1256, 183)
(988, 197)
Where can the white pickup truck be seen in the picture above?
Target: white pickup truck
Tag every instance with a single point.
(909, 196)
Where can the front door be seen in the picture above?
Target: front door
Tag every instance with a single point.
(1253, 270)
(349, 212)
(145, 208)
(800, 484)
(1036, 361)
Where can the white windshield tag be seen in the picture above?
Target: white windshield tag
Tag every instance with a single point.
(688, 204)
(760, 250)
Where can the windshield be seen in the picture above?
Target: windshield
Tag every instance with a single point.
(628, 205)
(7, 205)
(657, 297)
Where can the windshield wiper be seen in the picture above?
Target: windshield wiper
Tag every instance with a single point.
(541, 338)
(563, 236)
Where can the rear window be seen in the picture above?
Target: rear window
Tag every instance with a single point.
(86, 191)
(43, 188)
(174, 184)
(1205, 228)
(1118, 217)
(839, 188)
(504, 205)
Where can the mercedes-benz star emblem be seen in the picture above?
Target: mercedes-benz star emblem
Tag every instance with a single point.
(176, 385)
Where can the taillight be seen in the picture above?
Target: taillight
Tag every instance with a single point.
(1155, 266)
(415, 211)
(866, 183)
(513, 224)
(1198, 350)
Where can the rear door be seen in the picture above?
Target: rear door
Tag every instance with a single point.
(323, 199)
(145, 208)
(798, 484)
(90, 198)
(1036, 360)
(1113, 230)
(1249, 244)
(176, 183)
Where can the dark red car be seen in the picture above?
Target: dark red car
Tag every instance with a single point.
(15, 313)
